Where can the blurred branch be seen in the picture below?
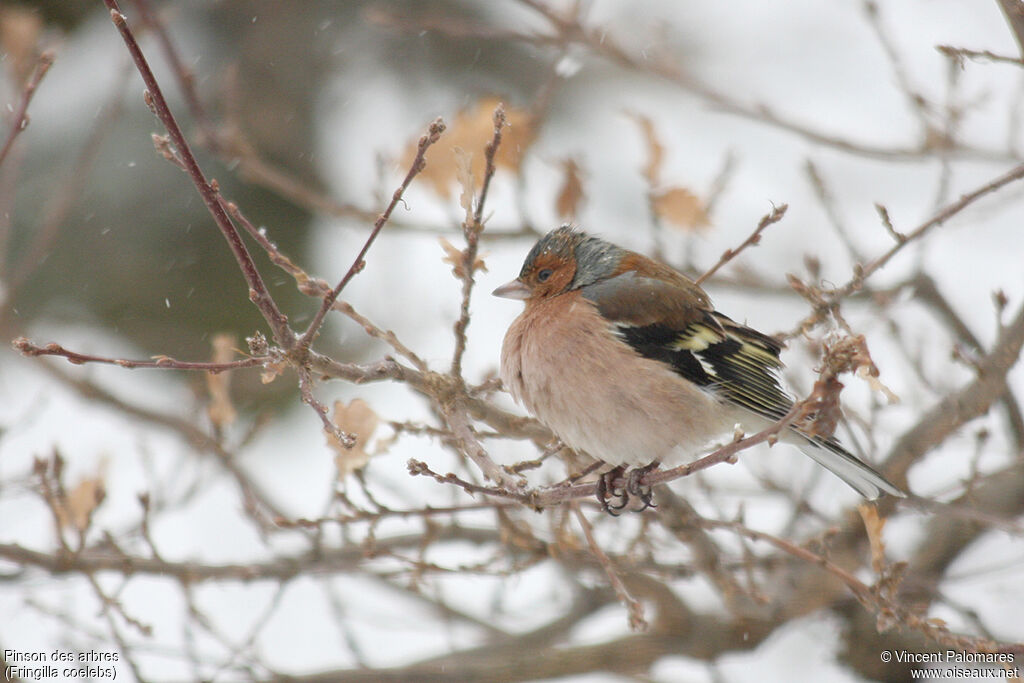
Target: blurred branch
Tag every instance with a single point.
(71, 187)
(927, 291)
(571, 30)
(970, 401)
(255, 498)
(962, 53)
(282, 567)
(1013, 10)
(824, 302)
(21, 119)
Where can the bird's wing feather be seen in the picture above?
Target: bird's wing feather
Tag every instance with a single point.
(664, 321)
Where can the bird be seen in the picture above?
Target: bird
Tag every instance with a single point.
(626, 359)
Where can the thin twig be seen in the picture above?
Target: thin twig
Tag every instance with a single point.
(725, 453)
(861, 590)
(185, 77)
(465, 437)
(27, 348)
(21, 118)
(729, 254)
(828, 203)
(387, 336)
(72, 185)
(883, 213)
(916, 100)
(309, 398)
(561, 493)
(418, 164)
(960, 53)
(472, 231)
(939, 218)
(258, 292)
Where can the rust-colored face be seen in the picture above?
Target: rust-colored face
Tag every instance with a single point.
(549, 274)
(549, 268)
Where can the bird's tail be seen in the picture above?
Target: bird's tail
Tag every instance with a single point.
(845, 465)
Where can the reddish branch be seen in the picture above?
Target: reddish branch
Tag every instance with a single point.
(27, 348)
(258, 292)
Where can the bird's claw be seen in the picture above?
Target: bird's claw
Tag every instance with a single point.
(607, 492)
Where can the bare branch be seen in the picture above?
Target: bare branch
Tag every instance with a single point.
(471, 231)
(418, 164)
(21, 119)
(27, 348)
(258, 292)
(963, 405)
(1014, 13)
(752, 240)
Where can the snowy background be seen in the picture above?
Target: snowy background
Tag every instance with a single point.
(830, 108)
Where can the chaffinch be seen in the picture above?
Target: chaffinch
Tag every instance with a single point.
(626, 359)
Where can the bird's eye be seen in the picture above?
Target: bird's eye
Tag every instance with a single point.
(543, 274)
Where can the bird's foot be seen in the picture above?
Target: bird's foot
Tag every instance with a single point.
(607, 492)
(614, 500)
(634, 488)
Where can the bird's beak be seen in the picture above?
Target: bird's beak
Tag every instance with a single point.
(513, 290)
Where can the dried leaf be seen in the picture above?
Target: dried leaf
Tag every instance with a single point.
(471, 130)
(271, 371)
(820, 412)
(76, 510)
(874, 525)
(865, 373)
(851, 354)
(464, 174)
(655, 150)
(680, 206)
(221, 411)
(454, 257)
(571, 195)
(359, 420)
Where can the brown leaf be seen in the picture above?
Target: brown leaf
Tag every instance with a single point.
(464, 174)
(271, 371)
(874, 525)
(655, 150)
(821, 411)
(454, 257)
(221, 411)
(571, 194)
(76, 510)
(680, 206)
(359, 420)
(851, 354)
(471, 130)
